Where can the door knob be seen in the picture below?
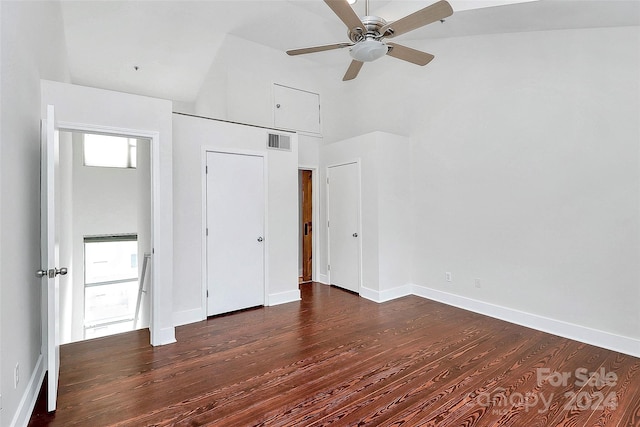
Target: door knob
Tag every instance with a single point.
(52, 272)
(260, 239)
(355, 234)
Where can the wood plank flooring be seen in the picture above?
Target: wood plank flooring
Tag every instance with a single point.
(337, 359)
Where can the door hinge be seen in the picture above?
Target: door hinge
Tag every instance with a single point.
(327, 224)
(207, 293)
(328, 267)
(206, 169)
(327, 180)
(207, 231)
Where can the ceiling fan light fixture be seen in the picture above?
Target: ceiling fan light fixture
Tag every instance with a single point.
(368, 50)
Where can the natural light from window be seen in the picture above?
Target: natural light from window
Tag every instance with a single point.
(109, 151)
(111, 284)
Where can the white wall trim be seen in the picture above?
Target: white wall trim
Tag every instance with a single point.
(322, 278)
(185, 317)
(283, 297)
(30, 396)
(165, 336)
(572, 331)
(387, 294)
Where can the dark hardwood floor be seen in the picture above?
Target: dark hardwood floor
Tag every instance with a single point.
(335, 358)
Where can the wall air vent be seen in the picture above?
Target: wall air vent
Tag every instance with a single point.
(279, 142)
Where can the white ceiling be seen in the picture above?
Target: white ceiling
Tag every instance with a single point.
(175, 42)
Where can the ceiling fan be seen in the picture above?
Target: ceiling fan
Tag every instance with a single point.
(367, 35)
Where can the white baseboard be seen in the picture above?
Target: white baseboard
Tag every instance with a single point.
(572, 331)
(30, 396)
(284, 297)
(323, 278)
(185, 317)
(163, 336)
(387, 294)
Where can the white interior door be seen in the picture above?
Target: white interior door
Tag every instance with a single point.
(344, 226)
(50, 256)
(235, 232)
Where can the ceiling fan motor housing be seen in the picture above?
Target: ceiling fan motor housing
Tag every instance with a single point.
(372, 24)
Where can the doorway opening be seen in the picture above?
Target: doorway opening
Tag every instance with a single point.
(305, 231)
(105, 234)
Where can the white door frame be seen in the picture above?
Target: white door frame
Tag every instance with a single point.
(359, 185)
(203, 174)
(315, 214)
(159, 258)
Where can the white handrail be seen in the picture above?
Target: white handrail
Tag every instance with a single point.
(147, 256)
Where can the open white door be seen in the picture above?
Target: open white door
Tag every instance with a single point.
(50, 270)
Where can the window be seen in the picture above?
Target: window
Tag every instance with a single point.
(111, 284)
(109, 151)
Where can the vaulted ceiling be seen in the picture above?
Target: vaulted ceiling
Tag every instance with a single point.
(173, 43)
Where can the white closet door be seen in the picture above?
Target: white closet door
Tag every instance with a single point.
(296, 109)
(235, 224)
(344, 226)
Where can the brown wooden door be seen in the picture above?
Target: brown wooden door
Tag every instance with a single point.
(307, 223)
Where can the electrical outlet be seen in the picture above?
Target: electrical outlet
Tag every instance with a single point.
(477, 281)
(448, 276)
(16, 376)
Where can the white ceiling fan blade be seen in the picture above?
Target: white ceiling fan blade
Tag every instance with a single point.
(414, 56)
(346, 14)
(353, 70)
(318, 48)
(429, 14)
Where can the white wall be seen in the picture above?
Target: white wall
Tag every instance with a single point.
(385, 209)
(525, 170)
(32, 48)
(192, 135)
(134, 115)
(527, 174)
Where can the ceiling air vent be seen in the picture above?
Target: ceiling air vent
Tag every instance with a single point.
(279, 142)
